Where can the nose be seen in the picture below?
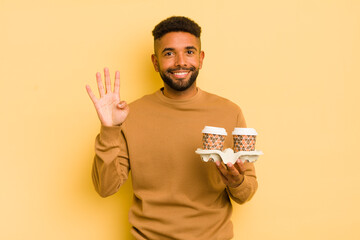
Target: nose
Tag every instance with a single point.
(180, 60)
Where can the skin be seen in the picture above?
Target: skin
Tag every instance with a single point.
(177, 56)
(110, 109)
(232, 174)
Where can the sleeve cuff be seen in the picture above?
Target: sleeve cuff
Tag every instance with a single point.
(242, 189)
(110, 135)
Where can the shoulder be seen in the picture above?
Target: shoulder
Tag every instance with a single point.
(213, 99)
(143, 101)
(224, 108)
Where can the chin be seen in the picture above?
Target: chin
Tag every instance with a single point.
(179, 84)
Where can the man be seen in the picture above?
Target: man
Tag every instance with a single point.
(176, 195)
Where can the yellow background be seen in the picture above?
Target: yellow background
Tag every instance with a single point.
(293, 67)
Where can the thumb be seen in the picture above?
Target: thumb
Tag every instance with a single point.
(122, 105)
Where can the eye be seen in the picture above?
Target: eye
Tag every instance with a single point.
(168, 54)
(190, 52)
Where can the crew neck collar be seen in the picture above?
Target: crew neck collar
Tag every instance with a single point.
(192, 99)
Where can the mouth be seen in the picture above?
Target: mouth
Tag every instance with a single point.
(181, 74)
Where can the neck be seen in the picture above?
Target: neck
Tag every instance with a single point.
(180, 95)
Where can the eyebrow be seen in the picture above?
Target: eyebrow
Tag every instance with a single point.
(191, 48)
(172, 49)
(168, 49)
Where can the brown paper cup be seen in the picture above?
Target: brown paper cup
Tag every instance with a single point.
(244, 139)
(213, 138)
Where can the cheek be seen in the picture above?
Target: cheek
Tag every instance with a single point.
(165, 64)
(196, 62)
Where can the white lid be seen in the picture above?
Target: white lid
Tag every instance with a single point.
(244, 131)
(214, 130)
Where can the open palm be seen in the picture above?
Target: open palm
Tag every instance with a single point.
(111, 111)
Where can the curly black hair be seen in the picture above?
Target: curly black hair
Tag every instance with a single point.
(176, 24)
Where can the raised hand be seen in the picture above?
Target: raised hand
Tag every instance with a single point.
(111, 111)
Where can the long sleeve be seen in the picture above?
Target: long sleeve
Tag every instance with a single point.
(111, 162)
(176, 195)
(248, 187)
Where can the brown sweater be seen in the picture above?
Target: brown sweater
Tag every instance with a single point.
(176, 195)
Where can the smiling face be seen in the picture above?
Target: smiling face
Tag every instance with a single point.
(178, 58)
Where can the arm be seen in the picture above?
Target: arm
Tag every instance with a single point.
(248, 186)
(111, 163)
(239, 178)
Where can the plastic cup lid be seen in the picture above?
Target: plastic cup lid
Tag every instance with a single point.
(244, 131)
(214, 130)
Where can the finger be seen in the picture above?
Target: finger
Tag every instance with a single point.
(122, 105)
(221, 168)
(240, 166)
(225, 181)
(234, 177)
(117, 83)
(100, 84)
(107, 80)
(91, 94)
(217, 163)
(236, 165)
(232, 170)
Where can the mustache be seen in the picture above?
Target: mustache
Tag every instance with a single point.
(181, 68)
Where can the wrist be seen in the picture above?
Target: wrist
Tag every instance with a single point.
(110, 135)
(237, 184)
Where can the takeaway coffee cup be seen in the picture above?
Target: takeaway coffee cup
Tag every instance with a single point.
(244, 139)
(213, 138)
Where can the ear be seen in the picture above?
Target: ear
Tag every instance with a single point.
(155, 62)
(202, 55)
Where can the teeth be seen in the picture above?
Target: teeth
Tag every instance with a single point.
(180, 74)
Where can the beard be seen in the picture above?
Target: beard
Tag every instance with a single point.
(179, 85)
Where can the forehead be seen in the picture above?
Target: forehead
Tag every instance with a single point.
(177, 40)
